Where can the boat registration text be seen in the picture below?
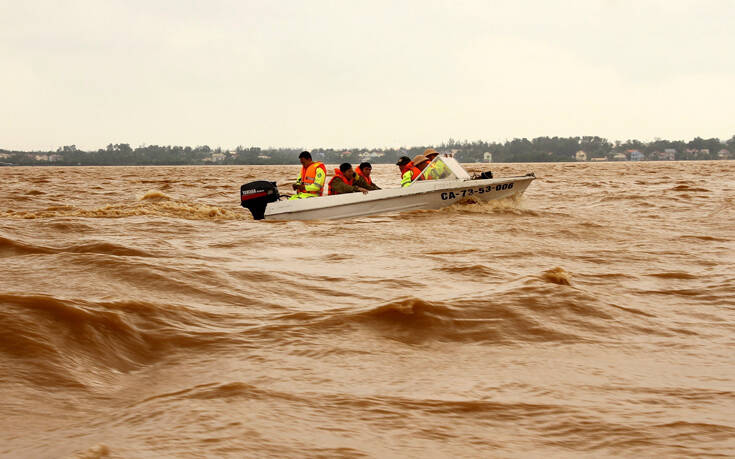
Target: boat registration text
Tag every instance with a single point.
(471, 191)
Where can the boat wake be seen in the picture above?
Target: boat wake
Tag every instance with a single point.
(512, 206)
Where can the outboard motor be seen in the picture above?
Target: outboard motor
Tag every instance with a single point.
(255, 196)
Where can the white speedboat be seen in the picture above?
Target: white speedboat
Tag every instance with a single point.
(262, 198)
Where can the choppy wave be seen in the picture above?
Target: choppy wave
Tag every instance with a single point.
(11, 247)
(60, 341)
(557, 276)
(99, 451)
(64, 336)
(546, 308)
(690, 188)
(153, 204)
(154, 195)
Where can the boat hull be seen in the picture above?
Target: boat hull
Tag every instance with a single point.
(420, 195)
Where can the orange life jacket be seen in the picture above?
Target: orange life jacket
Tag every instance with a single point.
(338, 174)
(358, 171)
(308, 174)
(415, 172)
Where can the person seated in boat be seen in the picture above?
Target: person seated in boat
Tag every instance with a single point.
(437, 169)
(362, 177)
(312, 176)
(344, 181)
(408, 171)
(422, 163)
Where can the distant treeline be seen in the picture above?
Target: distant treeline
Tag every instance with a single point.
(540, 149)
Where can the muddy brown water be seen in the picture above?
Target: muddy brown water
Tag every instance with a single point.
(143, 313)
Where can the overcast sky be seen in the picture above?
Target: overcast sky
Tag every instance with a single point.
(361, 73)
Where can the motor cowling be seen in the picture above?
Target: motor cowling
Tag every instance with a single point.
(255, 197)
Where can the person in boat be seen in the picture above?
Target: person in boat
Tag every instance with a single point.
(437, 169)
(421, 163)
(312, 176)
(408, 171)
(362, 177)
(344, 181)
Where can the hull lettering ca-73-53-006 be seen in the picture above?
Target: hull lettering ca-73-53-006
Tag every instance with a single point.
(471, 191)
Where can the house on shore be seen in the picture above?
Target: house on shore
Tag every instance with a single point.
(371, 155)
(48, 158)
(702, 153)
(668, 154)
(217, 158)
(636, 155)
